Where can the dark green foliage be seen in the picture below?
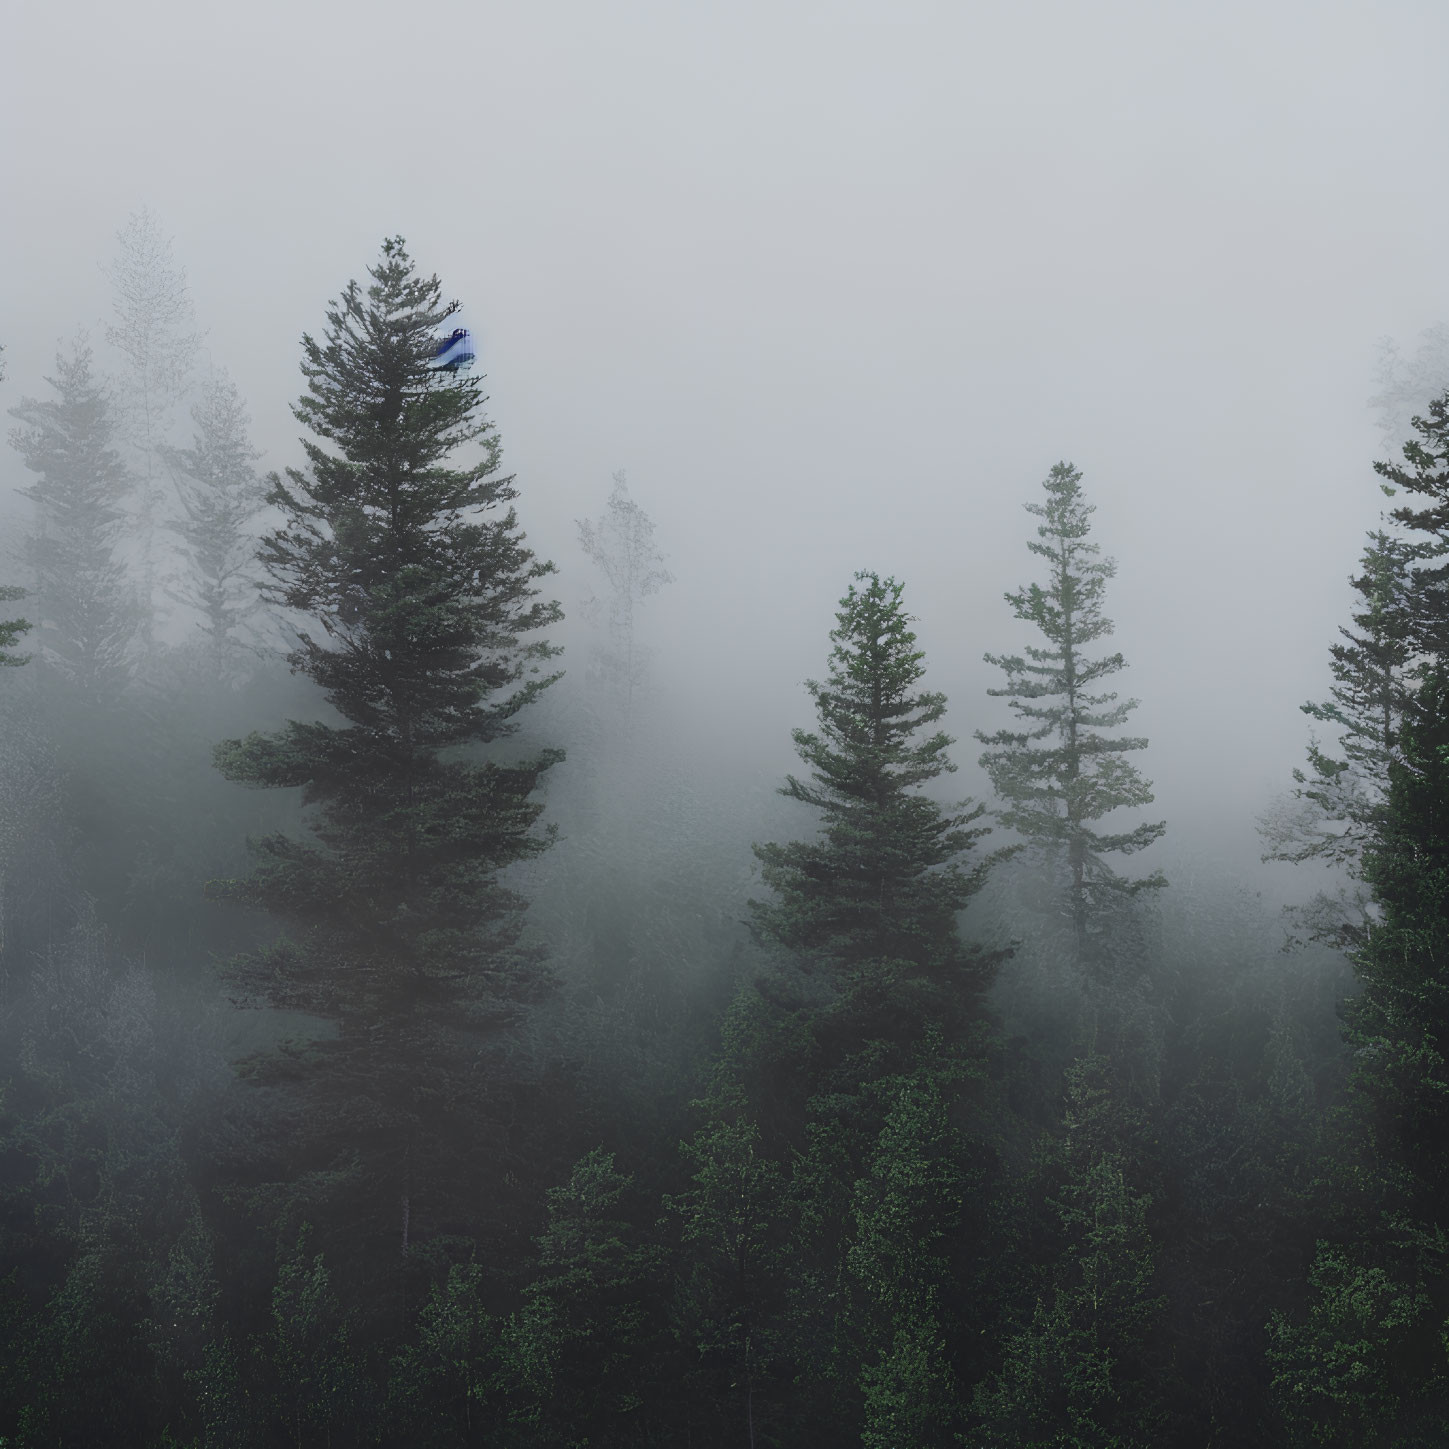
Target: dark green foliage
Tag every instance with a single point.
(1370, 667)
(1081, 1371)
(731, 1309)
(883, 883)
(417, 596)
(321, 1386)
(904, 1208)
(370, 1215)
(437, 1383)
(1366, 1366)
(95, 1205)
(871, 904)
(1340, 797)
(830, 1180)
(572, 1353)
(1399, 1022)
(1064, 772)
(1425, 473)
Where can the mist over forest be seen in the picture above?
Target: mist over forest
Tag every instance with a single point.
(724, 726)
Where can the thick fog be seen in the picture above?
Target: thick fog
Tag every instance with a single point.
(836, 284)
(402, 1046)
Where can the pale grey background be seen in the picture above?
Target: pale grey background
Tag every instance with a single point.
(836, 283)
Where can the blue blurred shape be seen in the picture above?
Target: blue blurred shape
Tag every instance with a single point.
(455, 353)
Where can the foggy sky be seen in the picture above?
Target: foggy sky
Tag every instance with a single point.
(836, 283)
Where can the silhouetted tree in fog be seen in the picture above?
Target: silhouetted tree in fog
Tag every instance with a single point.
(153, 331)
(418, 600)
(1424, 473)
(1063, 773)
(220, 496)
(1365, 1364)
(884, 881)
(89, 616)
(842, 1096)
(1340, 797)
(621, 545)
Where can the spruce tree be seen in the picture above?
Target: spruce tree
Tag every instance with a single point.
(1339, 798)
(1367, 1364)
(884, 881)
(1424, 473)
(1064, 772)
(839, 1076)
(1399, 1022)
(88, 607)
(419, 613)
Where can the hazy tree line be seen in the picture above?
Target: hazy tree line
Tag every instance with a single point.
(400, 1045)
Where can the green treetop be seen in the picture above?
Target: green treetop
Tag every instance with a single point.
(1337, 802)
(1064, 771)
(884, 879)
(1425, 473)
(417, 600)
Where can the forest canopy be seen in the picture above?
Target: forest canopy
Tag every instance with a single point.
(407, 1038)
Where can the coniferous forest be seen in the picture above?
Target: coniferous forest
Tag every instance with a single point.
(398, 1048)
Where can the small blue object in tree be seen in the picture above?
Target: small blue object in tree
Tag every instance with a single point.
(455, 353)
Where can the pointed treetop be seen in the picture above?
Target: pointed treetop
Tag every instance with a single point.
(1059, 771)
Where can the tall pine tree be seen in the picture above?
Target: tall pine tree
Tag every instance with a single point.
(1366, 1365)
(884, 881)
(1337, 802)
(1064, 772)
(1399, 1020)
(838, 1083)
(420, 610)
